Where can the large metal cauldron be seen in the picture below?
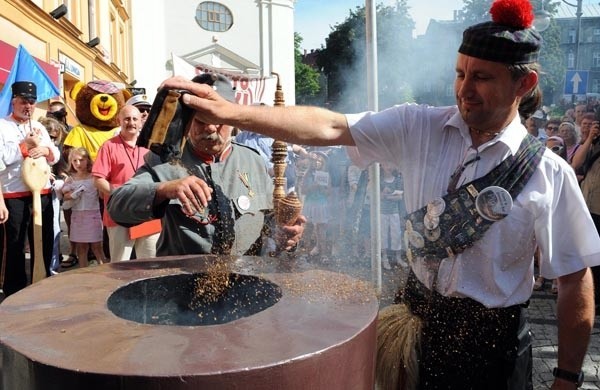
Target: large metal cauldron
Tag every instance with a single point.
(144, 325)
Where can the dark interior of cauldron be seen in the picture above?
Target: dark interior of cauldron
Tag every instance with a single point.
(174, 300)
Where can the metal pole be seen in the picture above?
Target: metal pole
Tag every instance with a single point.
(372, 95)
(577, 32)
(578, 14)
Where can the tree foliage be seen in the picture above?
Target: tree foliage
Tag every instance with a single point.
(344, 59)
(307, 78)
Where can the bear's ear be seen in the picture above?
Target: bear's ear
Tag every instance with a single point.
(126, 94)
(75, 90)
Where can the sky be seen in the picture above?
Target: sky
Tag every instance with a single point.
(313, 18)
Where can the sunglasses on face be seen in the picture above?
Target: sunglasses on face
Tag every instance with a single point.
(144, 109)
(556, 149)
(552, 128)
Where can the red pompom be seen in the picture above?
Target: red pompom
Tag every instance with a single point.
(514, 13)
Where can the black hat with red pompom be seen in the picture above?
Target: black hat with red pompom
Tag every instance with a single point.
(509, 38)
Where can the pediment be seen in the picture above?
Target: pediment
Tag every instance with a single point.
(220, 57)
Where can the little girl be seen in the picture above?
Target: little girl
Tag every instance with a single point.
(86, 220)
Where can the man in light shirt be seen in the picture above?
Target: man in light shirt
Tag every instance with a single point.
(472, 297)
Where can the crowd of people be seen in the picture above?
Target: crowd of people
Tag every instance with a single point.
(470, 195)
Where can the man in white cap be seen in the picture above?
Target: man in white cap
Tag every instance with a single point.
(142, 103)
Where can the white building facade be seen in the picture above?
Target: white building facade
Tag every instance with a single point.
(251, 37)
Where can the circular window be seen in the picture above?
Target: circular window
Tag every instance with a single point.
(213, 16)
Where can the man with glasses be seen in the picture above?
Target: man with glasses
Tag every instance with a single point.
(58, 111)
(552, 127)
(21, 137)
(142, 104)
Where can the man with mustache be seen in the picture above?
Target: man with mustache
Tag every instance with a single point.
(20, 137)
(216, 198)
(471, 260)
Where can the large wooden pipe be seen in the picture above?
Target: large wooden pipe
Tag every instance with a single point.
(287, 207)
(35, 173)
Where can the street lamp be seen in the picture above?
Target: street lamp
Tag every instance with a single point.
(541, 22)
(541, 19)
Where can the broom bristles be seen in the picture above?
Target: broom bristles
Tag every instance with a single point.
(398, 344)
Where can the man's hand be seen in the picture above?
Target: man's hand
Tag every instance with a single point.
(3, 212)
(193, 193)
(32, 139)
(209, 105)
(39, 151)
(287, 237)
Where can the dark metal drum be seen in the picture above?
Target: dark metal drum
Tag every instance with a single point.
(148, 324)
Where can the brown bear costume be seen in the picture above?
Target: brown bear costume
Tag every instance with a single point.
(97, 105)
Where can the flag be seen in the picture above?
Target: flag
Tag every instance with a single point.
(25, 68)
(249, 89)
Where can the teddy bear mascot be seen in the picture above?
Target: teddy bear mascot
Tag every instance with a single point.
(97, 105)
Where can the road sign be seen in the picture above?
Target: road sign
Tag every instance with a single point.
(576, 82)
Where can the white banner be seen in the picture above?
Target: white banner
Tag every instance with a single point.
(249, 89)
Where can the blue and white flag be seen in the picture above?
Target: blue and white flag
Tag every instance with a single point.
(25, 68)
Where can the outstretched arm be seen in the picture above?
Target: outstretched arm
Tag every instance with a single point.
(297, 124)
(575, 311)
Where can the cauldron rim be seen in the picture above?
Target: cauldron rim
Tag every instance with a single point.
(74, 326)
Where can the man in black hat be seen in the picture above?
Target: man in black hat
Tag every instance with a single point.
(21, 137)
(471, 260)
(215, 197)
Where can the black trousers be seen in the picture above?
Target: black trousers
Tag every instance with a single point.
(12, 240)
(465, 345)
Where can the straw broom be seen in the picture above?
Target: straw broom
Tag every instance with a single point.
(398, 345)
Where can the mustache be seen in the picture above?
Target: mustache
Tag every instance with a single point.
(210, 137)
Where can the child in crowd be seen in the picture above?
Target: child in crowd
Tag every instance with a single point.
(56, 131)
(315, 187)
(86, 220)
(392, 191)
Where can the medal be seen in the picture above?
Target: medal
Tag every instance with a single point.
(243, 202)
(431, 222)
(493, 203)
(433, 235)
(416, 239)
(436, 207)
(409, 255)
(408, 226)
(245, 178)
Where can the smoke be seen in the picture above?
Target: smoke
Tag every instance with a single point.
(409, 69)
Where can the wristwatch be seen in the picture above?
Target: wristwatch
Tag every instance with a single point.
(574, 377)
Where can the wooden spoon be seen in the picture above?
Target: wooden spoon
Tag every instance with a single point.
(35, 173)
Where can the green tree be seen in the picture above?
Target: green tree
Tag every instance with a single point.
(307, 78)
(552, 62)
(343, 59)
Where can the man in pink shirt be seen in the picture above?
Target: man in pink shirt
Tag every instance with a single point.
(117, 161)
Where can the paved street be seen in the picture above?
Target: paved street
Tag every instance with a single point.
(543, 323)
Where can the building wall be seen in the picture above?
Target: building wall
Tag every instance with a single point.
(63, 41)
(588, 54)
(260, 41)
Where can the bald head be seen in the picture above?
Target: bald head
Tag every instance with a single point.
(130, 121)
